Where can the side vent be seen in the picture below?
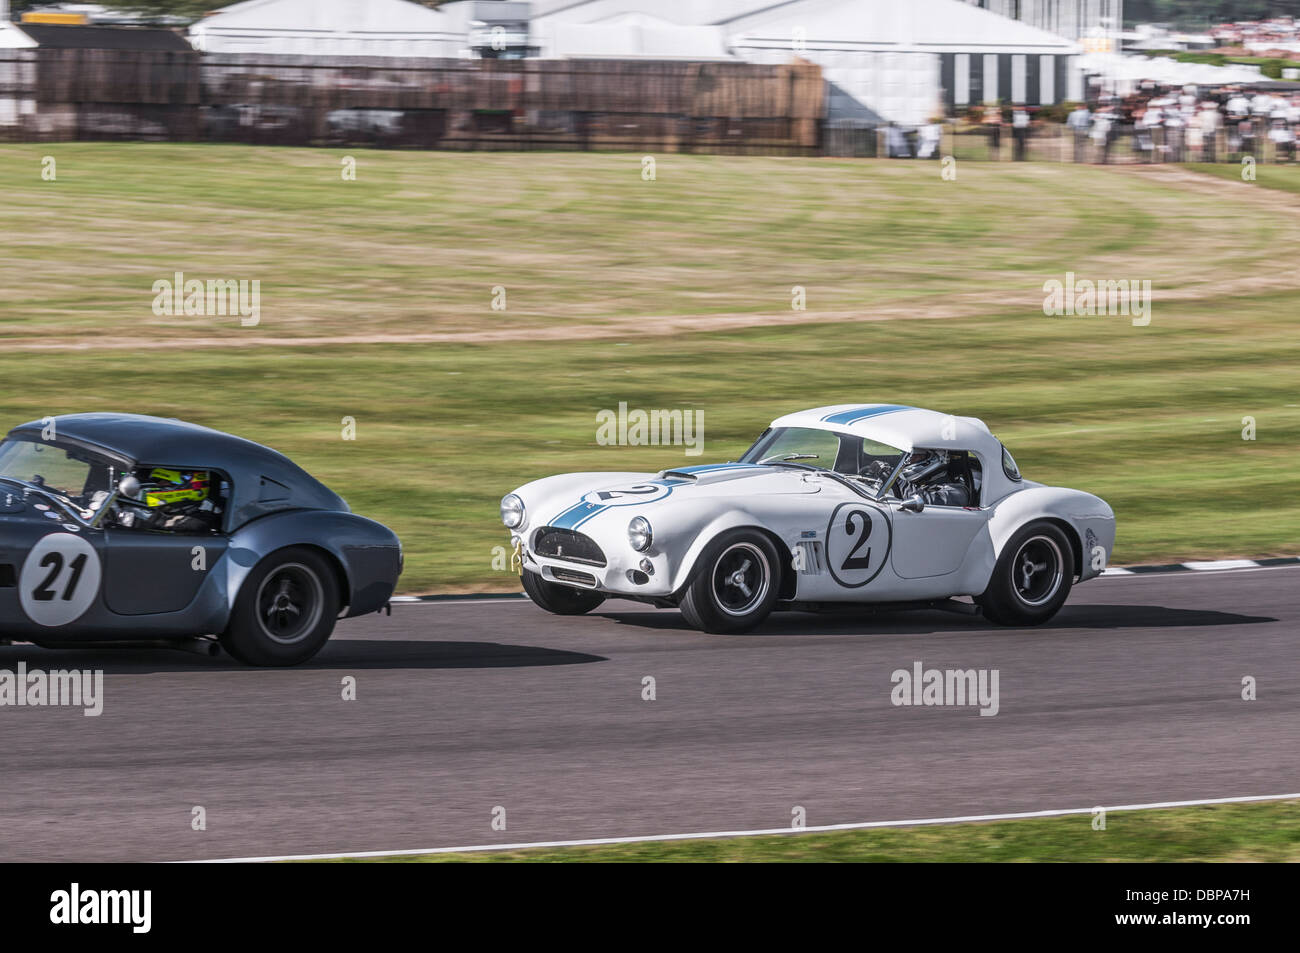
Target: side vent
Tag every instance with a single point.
(810, 558)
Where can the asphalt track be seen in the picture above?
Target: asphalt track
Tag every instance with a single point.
(1131, 695)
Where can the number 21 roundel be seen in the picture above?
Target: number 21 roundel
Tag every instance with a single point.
(857, 543)
(60, 579)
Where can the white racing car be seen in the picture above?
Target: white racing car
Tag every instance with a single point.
(855, 503)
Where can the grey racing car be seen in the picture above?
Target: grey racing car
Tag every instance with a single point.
(127, 528)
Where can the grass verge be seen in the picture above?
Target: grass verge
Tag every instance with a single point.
(1225, 833)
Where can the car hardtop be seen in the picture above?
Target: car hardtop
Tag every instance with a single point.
(264, 480)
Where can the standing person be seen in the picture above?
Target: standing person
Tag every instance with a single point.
(1174, 134)
(1246, 134)
(1238, 110)
(1209, 122)
(1101, 128)
(1143, 146)
(1079, 122)
(993, 122)
(1283, 139)
(1020, 130)
(931, 137)
(895, 143)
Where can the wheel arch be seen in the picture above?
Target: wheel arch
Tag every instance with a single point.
(1073, 512)
(691, 563)
(363, 555)
(1071, 536)
(335, 563)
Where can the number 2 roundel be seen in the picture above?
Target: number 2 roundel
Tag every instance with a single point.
(858, 538)
(60, 579)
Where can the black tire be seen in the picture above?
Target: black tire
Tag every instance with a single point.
(1032, 579)
(285, 611)
(561, 600)
(736, 583)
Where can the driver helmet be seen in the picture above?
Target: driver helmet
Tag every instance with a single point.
(164, 487)
(923, 464)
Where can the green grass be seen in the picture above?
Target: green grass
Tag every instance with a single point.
(1285, 178)
(418, 241)
(1220, 833)
(598, 262)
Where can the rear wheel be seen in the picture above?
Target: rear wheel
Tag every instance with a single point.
(561, 600)
(735, 584)
(285, 611)
(1032, 578)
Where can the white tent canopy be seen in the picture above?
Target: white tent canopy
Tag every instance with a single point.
(884, 54)
(330, 28)
(632, 35)
(1126, 72)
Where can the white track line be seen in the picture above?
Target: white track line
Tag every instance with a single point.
(596, 841)
(1213, 564)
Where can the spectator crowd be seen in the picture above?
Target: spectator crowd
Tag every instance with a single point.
(1170, 124)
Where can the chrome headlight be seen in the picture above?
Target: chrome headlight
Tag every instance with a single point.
(639, 534)
(512, 511)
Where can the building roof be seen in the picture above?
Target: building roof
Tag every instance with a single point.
(904, 428)
(50, 36)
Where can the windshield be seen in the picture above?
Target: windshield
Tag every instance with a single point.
(54, 467)
(862, 460)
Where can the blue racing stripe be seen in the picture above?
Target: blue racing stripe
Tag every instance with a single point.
(711, 467)
(580, 512)
(857, 414)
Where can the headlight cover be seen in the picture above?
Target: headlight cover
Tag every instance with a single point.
(639, 534)
(512, 511)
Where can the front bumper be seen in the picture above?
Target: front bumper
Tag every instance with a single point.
(625, 573)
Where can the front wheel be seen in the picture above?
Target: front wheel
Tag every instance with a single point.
(735, 584)
(285, 611)
(1032, 578)
(561, 600)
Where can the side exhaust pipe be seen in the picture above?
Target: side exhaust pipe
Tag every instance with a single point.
(208, 648)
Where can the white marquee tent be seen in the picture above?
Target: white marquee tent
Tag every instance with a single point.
(331, 28)
(903, 60)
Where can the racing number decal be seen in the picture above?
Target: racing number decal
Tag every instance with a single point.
(60, 579)
(623, 495)
(857, 543)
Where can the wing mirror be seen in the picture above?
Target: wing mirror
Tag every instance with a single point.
(913, 504)
(128, 487)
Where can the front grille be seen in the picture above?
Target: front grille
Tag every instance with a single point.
(567, 545)
(573, 576)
